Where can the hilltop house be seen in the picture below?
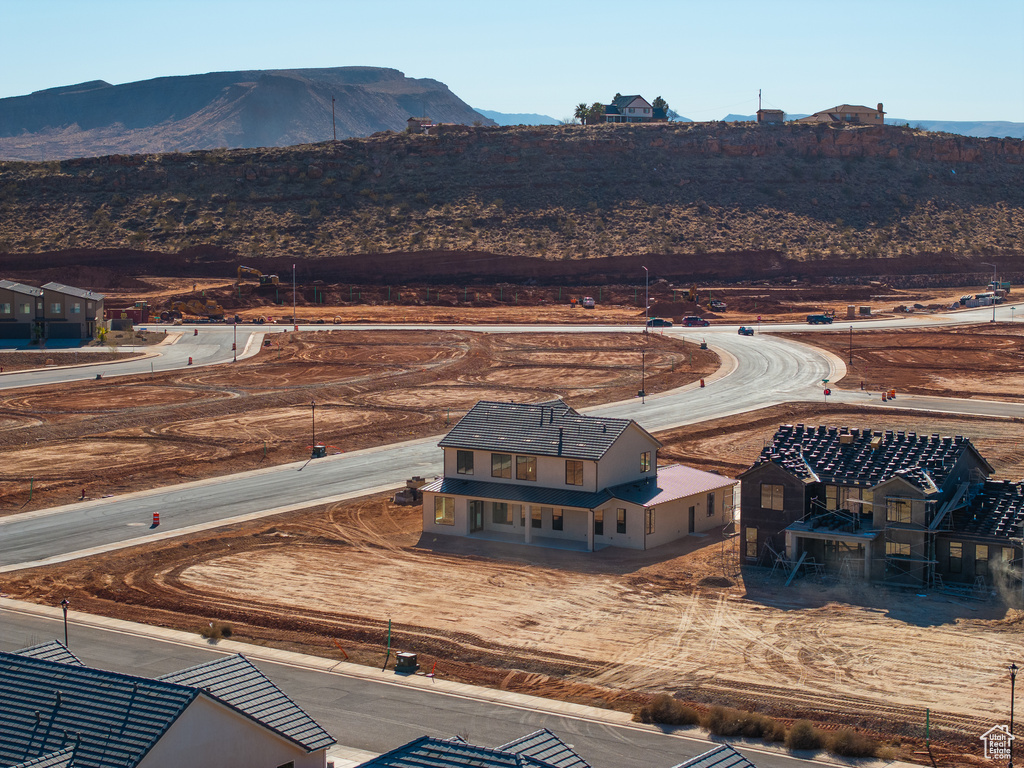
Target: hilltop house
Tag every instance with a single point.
(543, 473)
(57, 712)
(894, 507)
(632, 109)
(848, 113)
(54, 311)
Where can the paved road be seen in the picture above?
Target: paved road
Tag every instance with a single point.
(378, 715)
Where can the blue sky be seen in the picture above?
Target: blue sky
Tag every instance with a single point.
(925, 60)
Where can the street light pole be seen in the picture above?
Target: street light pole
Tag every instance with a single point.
(643, 378)
(1013, 679)
(293, 295)
(234, 344)
(64, 605)
(851, 346)
(647, 300)
(313, 404)
(995, 285)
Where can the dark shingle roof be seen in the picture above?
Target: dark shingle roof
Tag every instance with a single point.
(722, 756)
(525, 494)
(52, 650)
(428, 752)
(820, 454)
(997, 511)
(541, 429)
(112, 719)
(544, 745)
(62, 759)
(236, 682)
(69, 291)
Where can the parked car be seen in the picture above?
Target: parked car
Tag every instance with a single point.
(657, 322)
(588, 302)
(694, 321)
(717, 305)
(746, 330)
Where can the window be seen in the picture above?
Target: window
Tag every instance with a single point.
(55, 307)
(26, 309)
(620, 521)
(750, 542)
(711, 505)
(464, 462)
(573, 472)
(956, 557)
(5, 309)
(599, 522)
(500, 514)
(444, 510)
(556, 519)
(501, 465)
(981, 560)
(727, 501)
(649, 520)
(537, 516)
(897, 549)
(645, 461)
(771, 496)
(897, 510)
(76, 308)
(526, 467)
(1007, 554)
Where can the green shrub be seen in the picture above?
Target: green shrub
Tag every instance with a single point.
(725, 721)
(848, 743)
(665, 710)
(803, 735)
(216, 630)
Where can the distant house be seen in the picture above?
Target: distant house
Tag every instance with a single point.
(771, 116)
(54, 311)
(541, 473)
(58, 712)
(885, 506)
(419, 124)
(848, 113)
(630, 109)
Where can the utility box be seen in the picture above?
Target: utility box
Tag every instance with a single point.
(851, 311)
(865, 311)
(406, 664)
(319, 451)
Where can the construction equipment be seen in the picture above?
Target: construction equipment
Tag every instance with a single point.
(257, 275)
(210, 308)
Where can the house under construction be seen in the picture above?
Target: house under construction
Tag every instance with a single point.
(892, 507)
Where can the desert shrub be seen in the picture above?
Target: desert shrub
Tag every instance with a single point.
(725, 721)
(803, 735)
(216, 630)
(848, 743)
(665, 710)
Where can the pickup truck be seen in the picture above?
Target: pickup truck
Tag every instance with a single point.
(694, 321)
(657, 322)
(819, 319)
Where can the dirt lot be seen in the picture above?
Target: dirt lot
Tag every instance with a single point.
(370, 388)
(985, 361)
(602, 628)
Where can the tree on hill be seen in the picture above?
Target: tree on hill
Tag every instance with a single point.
(596, 114)
(660, 103)
(581, 113)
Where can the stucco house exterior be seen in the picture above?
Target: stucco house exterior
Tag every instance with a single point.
(630, 109)
(880, 505)
(541, 473)
(55, 711)
(54, 311)
(848, 113)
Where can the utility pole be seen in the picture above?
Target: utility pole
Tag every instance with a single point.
(293, 295)
(1013, 679)
(995, 286)
(234, 343)
(313, 405)
(851, 346)
(647, 300)
(334, 126)
(643, 378)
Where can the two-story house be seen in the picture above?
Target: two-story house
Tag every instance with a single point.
(543, 473)
(71, 313)
(881, 505)
(629, 109)
(20, 306)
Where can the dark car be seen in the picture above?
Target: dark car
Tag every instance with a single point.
(746, 330)
(694, 321)
(657, 322)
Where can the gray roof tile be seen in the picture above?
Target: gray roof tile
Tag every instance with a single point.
(236, 682)
(63, 758)
(540, 429)
(52, 650)
(111, 718)
(69, 291)
(544, 745)
(19, 288)
(722, 756)
(429, 752)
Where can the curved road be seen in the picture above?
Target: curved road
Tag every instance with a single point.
(759, 371)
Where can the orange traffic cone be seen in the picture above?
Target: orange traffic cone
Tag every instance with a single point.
(702, 383)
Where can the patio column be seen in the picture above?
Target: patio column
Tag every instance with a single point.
(590, 530)
(790, 546)
(528, 520)
(867, 560)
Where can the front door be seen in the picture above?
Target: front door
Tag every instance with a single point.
(692, 521)
(476, 516)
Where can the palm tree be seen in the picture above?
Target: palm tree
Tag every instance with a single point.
(582, 113)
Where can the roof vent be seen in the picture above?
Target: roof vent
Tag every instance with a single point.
(58, 698)
(876, 443)
(846, 439)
